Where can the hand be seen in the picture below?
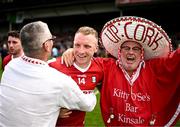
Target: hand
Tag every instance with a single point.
(68, 57)
(64, 113)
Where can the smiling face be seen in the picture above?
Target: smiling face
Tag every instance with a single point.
(84, 48)
(131, 55)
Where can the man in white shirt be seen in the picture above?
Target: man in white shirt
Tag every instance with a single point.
(31, 92)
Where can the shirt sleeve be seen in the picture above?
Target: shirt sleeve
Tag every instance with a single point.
(166, 69)
(73, 98)
(166, 74)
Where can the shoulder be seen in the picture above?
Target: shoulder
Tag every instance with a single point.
(8, 57)
(54, 73)
(54, 62)
(6, 60)
(104, 60)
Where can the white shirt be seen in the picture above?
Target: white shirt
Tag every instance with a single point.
(31, 94)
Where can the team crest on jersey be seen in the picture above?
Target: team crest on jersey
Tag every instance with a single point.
(93, 79)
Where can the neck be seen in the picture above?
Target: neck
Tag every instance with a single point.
(83, 66)
(18, 55)
(130, 73)
(41, 56)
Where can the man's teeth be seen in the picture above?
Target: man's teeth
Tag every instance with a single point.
(130, 58)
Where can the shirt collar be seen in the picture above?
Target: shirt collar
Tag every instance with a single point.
(33, 60)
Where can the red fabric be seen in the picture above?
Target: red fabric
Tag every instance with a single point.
(6, 60)
(91, 77)
(153, 96)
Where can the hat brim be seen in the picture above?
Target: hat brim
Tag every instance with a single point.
(152, 37)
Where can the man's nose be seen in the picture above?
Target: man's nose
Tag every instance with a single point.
(81, 49)
(131, 50)
(10, 44)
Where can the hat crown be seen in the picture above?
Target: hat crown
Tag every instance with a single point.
(152, 37)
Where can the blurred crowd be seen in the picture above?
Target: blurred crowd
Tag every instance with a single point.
(65, 41)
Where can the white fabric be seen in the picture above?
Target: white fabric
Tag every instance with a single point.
(132, 79)
(31, 94)
(82, 69)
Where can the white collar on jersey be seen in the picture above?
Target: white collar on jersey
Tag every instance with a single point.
(131, 79)
(81, 69)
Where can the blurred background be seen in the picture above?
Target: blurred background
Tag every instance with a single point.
(64, 17)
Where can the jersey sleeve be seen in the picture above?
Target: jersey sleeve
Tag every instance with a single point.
(166, 69)
(6, 60)
(73, 98)
(166, 72)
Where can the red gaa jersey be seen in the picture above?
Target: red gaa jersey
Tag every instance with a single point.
(87, 81)
(150, 97)
(6, 60)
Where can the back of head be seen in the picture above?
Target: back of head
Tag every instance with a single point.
(33, 35)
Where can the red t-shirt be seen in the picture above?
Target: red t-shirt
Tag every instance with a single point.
(6, 60)
(87, 81)
(152, 97)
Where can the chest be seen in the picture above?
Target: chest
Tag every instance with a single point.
(86, 80)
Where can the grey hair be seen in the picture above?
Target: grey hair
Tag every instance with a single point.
(33, 35)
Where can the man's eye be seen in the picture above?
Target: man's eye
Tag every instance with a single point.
(136, 49)
(14, 42)
(76, 46)
(126, 48)
(87, 46)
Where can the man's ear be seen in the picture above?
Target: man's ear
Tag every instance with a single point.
(96, 49)
(46, 47)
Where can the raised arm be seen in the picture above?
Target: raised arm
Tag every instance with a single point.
(167, 67)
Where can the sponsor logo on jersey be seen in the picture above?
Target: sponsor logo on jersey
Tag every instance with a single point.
(93, 79)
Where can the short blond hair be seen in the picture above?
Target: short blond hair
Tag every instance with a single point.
(86, 30)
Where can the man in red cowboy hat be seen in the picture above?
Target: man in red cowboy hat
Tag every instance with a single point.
(141, 87)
